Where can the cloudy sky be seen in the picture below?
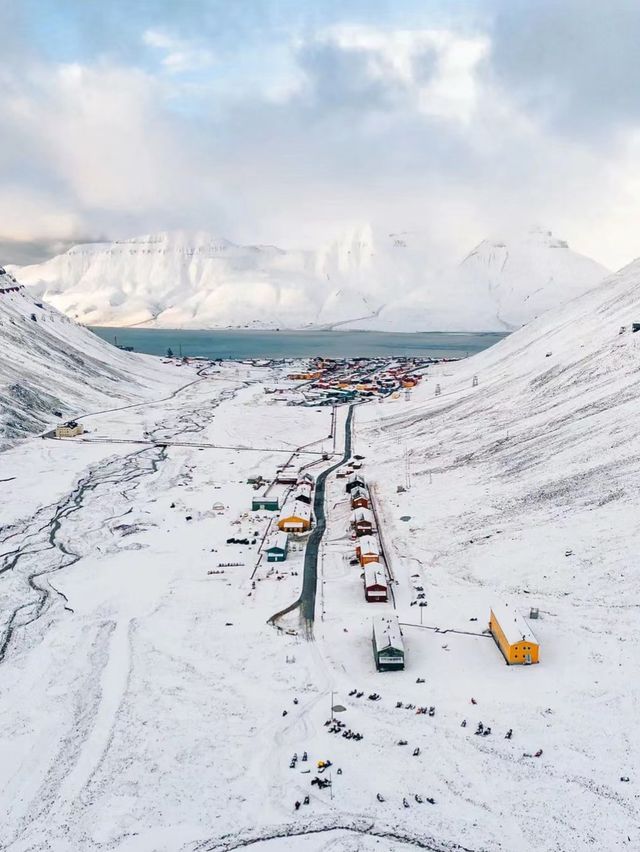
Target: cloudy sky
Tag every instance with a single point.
(287, 121)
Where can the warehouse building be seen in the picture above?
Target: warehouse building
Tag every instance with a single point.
(388, 647)
(513, 636)
(295, 517)
(268, 504)
(278, 548)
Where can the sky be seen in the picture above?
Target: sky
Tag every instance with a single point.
(289, 122)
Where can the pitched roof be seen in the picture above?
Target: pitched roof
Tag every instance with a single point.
(362, 514)
(374, 575)
(279, 540)
(296, 510)
(387, 633)
(368, 544)
(513, 625)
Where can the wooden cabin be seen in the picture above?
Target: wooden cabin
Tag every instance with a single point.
(362, 521)
(295, 517)
(69, 429)
(356, 480)
(376, 588)
(359, 499)
(513, 636)
(278, 548)
(367, 549)
(388, 647)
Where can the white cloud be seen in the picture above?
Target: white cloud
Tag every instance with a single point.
(178, 55)
(437, 68)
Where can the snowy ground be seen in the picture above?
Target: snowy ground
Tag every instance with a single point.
(143, 697)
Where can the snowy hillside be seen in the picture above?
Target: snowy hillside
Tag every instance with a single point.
(525, 489)
(49, 364)
(364, 280)
(499, 286)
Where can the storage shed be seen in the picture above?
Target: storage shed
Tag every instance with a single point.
(513, 636)
(367, 549)
(388, 647)
(278, 548)
(362, 521)
(375, 583)
(295, 517)
(268, 504)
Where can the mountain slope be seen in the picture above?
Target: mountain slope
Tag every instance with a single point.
(525, 489)
(386, 282)
(48, 364)
(499, 286)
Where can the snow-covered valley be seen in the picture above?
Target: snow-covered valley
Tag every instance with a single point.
(366, 280)
(143, 697)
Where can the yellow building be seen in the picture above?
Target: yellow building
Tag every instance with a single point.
(513, 636)
(69, 430)
(295, 518)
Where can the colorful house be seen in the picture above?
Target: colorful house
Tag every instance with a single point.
(367, 549)
(375, 583)
(295, 517)
(388, 647)
(278, 548)
(359, 499)
(362, 521)
(513, 636)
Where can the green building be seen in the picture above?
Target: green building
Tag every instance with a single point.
(388, 647)
(277, 549)
(269, 504)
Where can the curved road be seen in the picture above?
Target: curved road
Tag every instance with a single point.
(307, 599)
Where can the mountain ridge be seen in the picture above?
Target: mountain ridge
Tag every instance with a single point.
(363, 280)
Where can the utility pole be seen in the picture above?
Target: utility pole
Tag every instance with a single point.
(332, 705)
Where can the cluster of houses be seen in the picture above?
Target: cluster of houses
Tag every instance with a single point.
(295, 516)
(332, 381)
(367, 547)
(388, 647)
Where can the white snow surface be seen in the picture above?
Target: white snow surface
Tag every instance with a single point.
(365, 280)
(49, 363)
(142, 696)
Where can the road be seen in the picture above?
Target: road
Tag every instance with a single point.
(307, 598)
(160, 442)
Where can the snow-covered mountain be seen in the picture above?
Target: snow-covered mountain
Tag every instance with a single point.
(364, 280)
(499, 286)
(48, 363)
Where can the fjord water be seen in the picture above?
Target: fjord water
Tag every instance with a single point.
(237, 344)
